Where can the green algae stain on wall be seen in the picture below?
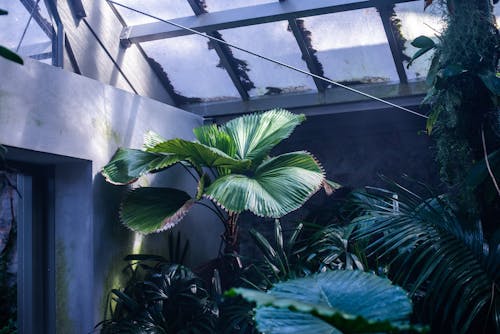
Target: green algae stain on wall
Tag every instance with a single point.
(105, 128)
(64, 324)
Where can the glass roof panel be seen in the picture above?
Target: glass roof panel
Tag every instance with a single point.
(352, 46)
(218, 5)
(192, 67)
(415, 22)
(165, 9)
(35, 42)
(274, 41)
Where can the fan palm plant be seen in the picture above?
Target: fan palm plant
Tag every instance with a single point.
(233, 170)
(437, 256)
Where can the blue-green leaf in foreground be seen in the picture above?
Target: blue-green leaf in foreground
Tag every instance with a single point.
(127, 165)
(147, 210)
(279, 186)
(341, 301)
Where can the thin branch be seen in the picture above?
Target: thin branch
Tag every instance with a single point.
(189, 171)
(488, 163)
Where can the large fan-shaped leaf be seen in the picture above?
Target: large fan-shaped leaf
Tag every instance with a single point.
(127, 165)
(211, 135)
(280, 185)
(199, 154)
(350, 301)
(148, 210)
(256, 134)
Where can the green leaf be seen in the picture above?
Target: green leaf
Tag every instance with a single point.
(256, 134)
(491, 81)
(199, 154)
(148, 210)
(433, 69)
(451, 71)
(337, 301)
(417, 55)
(279, 185)
(433, 117)
(127, 165)
(7, 54)
(211, 135)
(423, 42)
(151, 139)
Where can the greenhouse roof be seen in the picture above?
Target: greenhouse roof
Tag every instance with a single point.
(364, 44)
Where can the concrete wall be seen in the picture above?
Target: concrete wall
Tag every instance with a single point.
(81, 122)
(95, 41)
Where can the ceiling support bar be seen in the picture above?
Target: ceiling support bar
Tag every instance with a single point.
(244, 16)
(393, 37)
(227, 60)
(307, 55)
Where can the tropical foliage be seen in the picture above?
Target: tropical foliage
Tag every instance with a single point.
(233, 170)
(463, 99)
(446, 262)
(161, 298)
(340, 301)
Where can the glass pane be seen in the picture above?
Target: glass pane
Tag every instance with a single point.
(218, 5)
(166, 9)
(274, 41)
(352, 46)
(8, 253)
(416, 22)
(192, 67)
(35, 42)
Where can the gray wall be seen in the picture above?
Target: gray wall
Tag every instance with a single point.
(81, 122)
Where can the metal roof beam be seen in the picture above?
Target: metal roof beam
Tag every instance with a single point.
(386, 11)
(328, 99)
(227, 60)
(244, 16)
(307, 54)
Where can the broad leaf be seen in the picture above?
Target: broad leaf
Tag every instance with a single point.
(127, 165)
(256, 134)
(212, 136)
(332, 302)
(199, 154)
(280, 185)
(423, 42)
(10, 55)
(151, 139)
(148, 210)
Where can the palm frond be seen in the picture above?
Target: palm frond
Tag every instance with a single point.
(431, 249)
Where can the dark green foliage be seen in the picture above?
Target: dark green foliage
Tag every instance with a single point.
(161, 298)
(450, 268)
(464, 98)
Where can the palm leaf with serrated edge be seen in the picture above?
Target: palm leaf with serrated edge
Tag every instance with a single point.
(127, 165)
(279, 186)
(332, 302)
(256, 134)
(199, 154)
(148, 210)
